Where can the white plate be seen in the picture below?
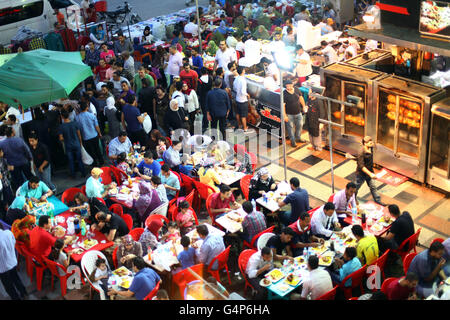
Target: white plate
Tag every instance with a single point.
(261, 283)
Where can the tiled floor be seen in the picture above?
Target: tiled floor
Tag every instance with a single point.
(429, 208)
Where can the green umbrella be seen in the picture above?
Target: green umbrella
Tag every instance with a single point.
(34, 77)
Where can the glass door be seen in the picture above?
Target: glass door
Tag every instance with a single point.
(409, 124)
(440, 141)
(387, 115)
(333, 90)
(355, 117)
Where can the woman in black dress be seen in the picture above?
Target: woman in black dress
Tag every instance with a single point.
(160, 107)
(261, 183)
(175, 118)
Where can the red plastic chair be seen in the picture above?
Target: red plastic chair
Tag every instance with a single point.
(190, 197)
(169, 141)
(245, 185)
(114, 258)
(153, 292)
(409, 244)
(119, 175)
(330, 295)
(83, 189)
(407, 261)
(354, 298)
(136, 233)
(128, 220)
(357, 280)
(386, 283)
(155, 217)
(117, 209)
(28, 261)
(252, 244)
(242, 263)
(182, 278)
(180, 181)
(381, 263)
(203, 191)
(69, 195)
(222, 259)
(331, 198)
(187, 183)
(101, 6)
(106, 175)
(312, 211)
(38, 264)
(211, 215)
(54, 269)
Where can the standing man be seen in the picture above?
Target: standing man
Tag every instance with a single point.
(240, 87)
(315, 112)
(174, 64)
(17, 155)
(139, 77)
(304, 66)
(8, 266)
(41, 159)
(91, 134)
(364, 169)
(132, 120)
(190, 76)
(294, 108)
(224, 55)
(122, 44)
(218, 107)
(69, 133)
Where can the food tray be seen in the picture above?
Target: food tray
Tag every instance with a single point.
(87, 244)
(326, 260)
(122, 272)
(275, 275)
(295, 281)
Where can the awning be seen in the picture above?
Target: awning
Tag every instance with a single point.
(404, 37)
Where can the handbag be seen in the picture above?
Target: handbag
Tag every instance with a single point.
(85, 157)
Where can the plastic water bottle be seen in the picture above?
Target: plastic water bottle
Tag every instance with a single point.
(254, 204)
(354, 214)
(83, 227)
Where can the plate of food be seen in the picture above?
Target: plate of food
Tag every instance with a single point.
(320, 249)
(77, 251)
(326, 260)
(87, 243)
(125, 282)
(113, 191)
(349, 242)
(292, 280)
(74, 240)
(121, 272)
(125, 190)
(300, 259)
(283, 287)
(275, 275)
(265, 282)
(376, 227)
(59, 231)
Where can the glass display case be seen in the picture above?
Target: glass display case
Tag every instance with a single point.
(399, 123)
(355, 117)
(438, 173)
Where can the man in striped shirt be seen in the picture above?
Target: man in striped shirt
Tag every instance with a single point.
(253, 223)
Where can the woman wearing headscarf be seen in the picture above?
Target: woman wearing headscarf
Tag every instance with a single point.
(127, 250)
(261, 183)
(175, 118)
(150, 236)
(147, 201)
(93, 36)
(147, 36)
(261, 33)
(21, 229)
(212, 48)
(191, 104)
(110, 111)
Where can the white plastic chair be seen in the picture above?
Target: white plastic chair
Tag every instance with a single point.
(162, 209)
(262, 240)
(88, 265)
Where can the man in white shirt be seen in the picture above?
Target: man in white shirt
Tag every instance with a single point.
(224, 56)
(330, 54)
(271, 69)
(175, 63)
(117, 82)
(344, 201)
(191, 27)
(318, 283)
(304, 65)
(324, 221)
(240, 87)
(258, 265)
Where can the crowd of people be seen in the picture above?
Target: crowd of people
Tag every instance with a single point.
(109, 116)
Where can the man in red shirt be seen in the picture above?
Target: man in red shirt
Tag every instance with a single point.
(190, 76)
(222, 201)
(403, 288)
(41, 240)
(100, 70)
(303, 236)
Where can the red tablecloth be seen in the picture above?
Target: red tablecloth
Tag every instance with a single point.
(375, 233)
(153, 47)
(97, 236)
